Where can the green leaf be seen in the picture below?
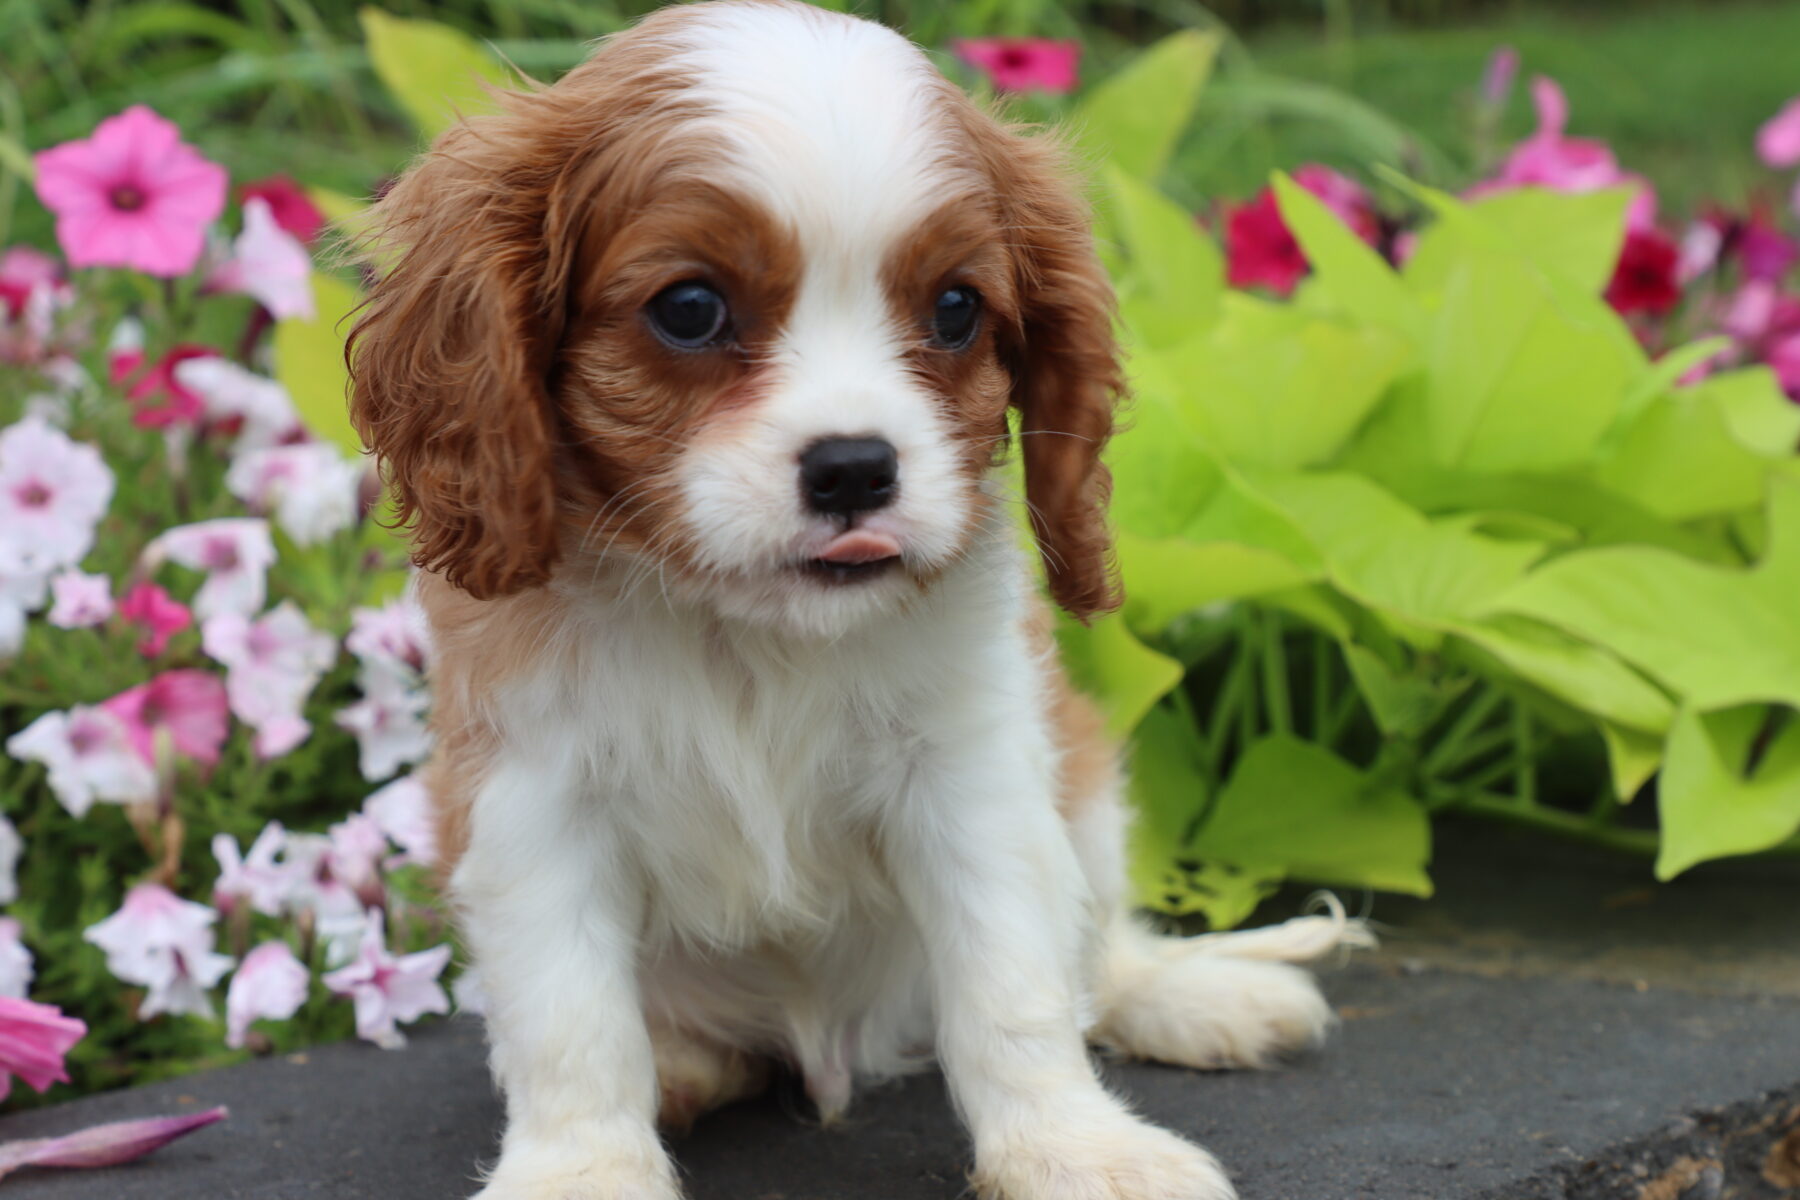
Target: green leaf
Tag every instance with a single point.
(1709, 805)
(1123, 675)
(1169, 577)
(309, 363)
(1574, 235)
(434, 71)
(1346, 268)
(1136, 116)
(1403, 705)
(1718, 637)
(1175, 276)
(1584, 676)
(1296, 808)
(1632, 758)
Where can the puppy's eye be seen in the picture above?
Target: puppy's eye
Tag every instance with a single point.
(688, 315)
(954, 316)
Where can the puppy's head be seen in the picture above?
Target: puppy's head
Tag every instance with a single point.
(739, 305)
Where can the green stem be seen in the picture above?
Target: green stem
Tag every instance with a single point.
(1321, 685)
(1276, 701)
(1450, 747)
(1525, 785)
(1641, 842)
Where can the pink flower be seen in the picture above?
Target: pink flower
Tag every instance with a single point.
(1645, 278)
(403, 810)
(272, 666)
(15, 960)
(32, 292)
(268, 264)
(389, 722)
(132, 195)
(294, 210)
(53, 491)
(160, 614)
(1778, 141)
(270, 985)
(103, 1145)
(1549, 159)
(34, 1038)
(256, 877)
(1700, 247)
(90, 757)
(1763, 250)
(1261, 251)
(396, 635)
(354, 860)
(80, 600)
(389, 991)
(310, 487)
(1023, 64)
(1783, 357)
(1497, 79)
(187, 708)
(235, 553)
(241, 402)
(158, 397)
(161, 942)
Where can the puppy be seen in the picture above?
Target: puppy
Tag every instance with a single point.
(691, 373)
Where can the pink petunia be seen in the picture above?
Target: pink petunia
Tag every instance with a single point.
(80, 600)
(1778, 141)
(53, 491)
(390, 990)
(235, 553)
(293, 209)
(186, 707)
(272, 666)
(256, 878)
(1549, 159)
(158, 397)
(1261, 251)
(270, 985)
(131, 195)
(161, 942)
(240, 402)
(1783, 357)
(1646, 278)
(310, 488)
(268, 264)
(1497, 78)
(1023, 64)
(389, 721)
(103, 1145)
(159, 614)
(90, 757)
(396, 634)
(34, 1040)
(403, 810)
(32, 293)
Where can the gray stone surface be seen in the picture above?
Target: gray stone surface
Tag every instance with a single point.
(1545, 1020)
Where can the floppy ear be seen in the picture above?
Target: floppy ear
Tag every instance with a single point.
(1067, 379)
(451, 355)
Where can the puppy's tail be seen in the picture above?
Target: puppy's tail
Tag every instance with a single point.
(1299, 940)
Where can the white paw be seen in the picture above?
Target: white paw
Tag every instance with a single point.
(1116, 1159)
(627, 1168)
(1211, 1011)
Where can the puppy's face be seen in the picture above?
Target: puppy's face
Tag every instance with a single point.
(739, 308)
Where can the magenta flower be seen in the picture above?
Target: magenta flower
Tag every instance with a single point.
(1497, 79)
(103, 1145)
(131, 195)
(163, 943)
(270, 985)
(15, 960)
(1778, 141)
(53, 491)
(34, 1038)
(32, 292)
(1552, 160)
(293, 209)
(159, 614)
(185, 708)
(90, 757)
(1646, 276)
(272, 666)
(79, 600)
(158, 397)
(268, 264)
(390, 991)
(1023, 64)
(1260, 250)
(1783, 357)
(235, 553)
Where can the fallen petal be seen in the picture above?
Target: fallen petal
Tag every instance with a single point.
(103, 1145)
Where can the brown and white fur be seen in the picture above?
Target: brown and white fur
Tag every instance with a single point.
(712, 804)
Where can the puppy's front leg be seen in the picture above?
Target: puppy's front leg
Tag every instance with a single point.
(551, 915)
(988, 872)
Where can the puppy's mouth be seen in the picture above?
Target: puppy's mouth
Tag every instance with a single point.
(854, 556)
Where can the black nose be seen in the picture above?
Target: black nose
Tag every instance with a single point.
(840, 476)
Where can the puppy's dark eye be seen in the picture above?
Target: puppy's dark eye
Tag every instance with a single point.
(688, 315)
(954, 316)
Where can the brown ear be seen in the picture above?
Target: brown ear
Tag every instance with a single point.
(1066, 371)
(451, 354)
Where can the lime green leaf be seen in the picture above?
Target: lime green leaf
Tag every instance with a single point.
(1665, 373)
(1166, 578)
(1176, 275)
(1632, 757)
(336, 206)
(1135, 117)
(1584, 676)
(1123, 675)
(1718, 637)
(434, 71)
(1710, 807)
(1575, 235)
(1296, 808)
(309, 362)
(15, 158)
(1345, 267)
(1403, 705)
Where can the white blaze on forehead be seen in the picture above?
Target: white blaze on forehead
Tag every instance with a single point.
(830, 121)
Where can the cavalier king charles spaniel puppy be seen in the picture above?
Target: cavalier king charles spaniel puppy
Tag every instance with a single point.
(692, 374)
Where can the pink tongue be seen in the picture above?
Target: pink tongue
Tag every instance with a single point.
(860, 546)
